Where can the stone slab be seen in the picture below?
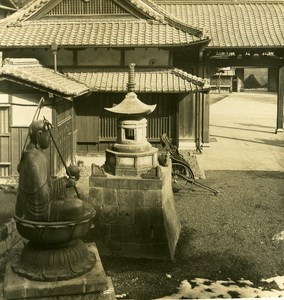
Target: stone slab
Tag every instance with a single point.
(92, 285)
(127, 182)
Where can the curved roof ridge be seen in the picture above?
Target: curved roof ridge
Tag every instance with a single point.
(21, 62)
(203, 82)
(83, 21)
(148, 7)
(24, 12)
(160, 14)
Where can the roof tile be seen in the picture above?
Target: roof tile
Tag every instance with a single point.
(25, 28)
(107, 33)
(229, 24)
(29, 70)
(163, 80)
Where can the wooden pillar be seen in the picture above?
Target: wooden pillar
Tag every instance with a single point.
(186, 122)
(240, 78)
(205, 100)
(280, 101)
(272, 79)
(74, 133)
(198, 121)
(204, 72)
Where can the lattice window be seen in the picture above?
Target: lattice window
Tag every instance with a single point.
(64, 143)
(91, 7)
(4, 142)
(63, 111)
(4, 120)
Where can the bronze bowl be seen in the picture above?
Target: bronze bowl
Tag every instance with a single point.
(52, 233)
(55, 250)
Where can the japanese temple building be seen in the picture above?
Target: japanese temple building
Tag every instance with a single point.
(176, 45)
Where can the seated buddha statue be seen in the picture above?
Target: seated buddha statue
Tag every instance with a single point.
(41, 197)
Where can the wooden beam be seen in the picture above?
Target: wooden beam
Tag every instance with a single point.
(263, 62)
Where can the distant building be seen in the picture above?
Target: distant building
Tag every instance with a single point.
(222, 81)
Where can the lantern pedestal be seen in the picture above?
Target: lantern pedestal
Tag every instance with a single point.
(136, 216)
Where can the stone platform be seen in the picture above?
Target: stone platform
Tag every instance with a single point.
(94, 285)
(136, 215)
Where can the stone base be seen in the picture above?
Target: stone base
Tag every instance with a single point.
(92, 285)
(136, 216)
(187, 144)
(279, 130)
(130, 164)
(205, 145)
(55, 263)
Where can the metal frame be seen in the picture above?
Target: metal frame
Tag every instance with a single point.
(181, 168)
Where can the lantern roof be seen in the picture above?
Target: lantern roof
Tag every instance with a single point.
(131, 105)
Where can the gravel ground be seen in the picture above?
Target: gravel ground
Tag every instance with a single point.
(224, 236)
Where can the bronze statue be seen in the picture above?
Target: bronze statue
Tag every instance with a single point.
(49, 216)
(40, 197)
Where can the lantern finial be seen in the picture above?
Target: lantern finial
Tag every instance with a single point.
(131, 78)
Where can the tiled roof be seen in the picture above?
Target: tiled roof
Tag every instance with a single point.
(148, 7)
(29, 71)
(115, 33)
(162, 15)
(234, 24)
(163, 80)
(27, 28)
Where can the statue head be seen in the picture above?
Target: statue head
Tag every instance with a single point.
(39, 135)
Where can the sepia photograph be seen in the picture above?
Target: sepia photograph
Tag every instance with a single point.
(141, 149)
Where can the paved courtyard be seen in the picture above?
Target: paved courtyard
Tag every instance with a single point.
(242, 134)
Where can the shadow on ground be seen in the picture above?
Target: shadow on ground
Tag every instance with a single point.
(224, 236)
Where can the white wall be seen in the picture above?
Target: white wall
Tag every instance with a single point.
(24, 107)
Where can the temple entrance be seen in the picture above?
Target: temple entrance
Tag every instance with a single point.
(250, 76)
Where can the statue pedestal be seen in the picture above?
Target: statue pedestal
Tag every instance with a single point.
(92, 285)
(136, 216)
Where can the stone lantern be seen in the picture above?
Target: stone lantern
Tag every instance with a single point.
(132, 193)
(132, 154)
